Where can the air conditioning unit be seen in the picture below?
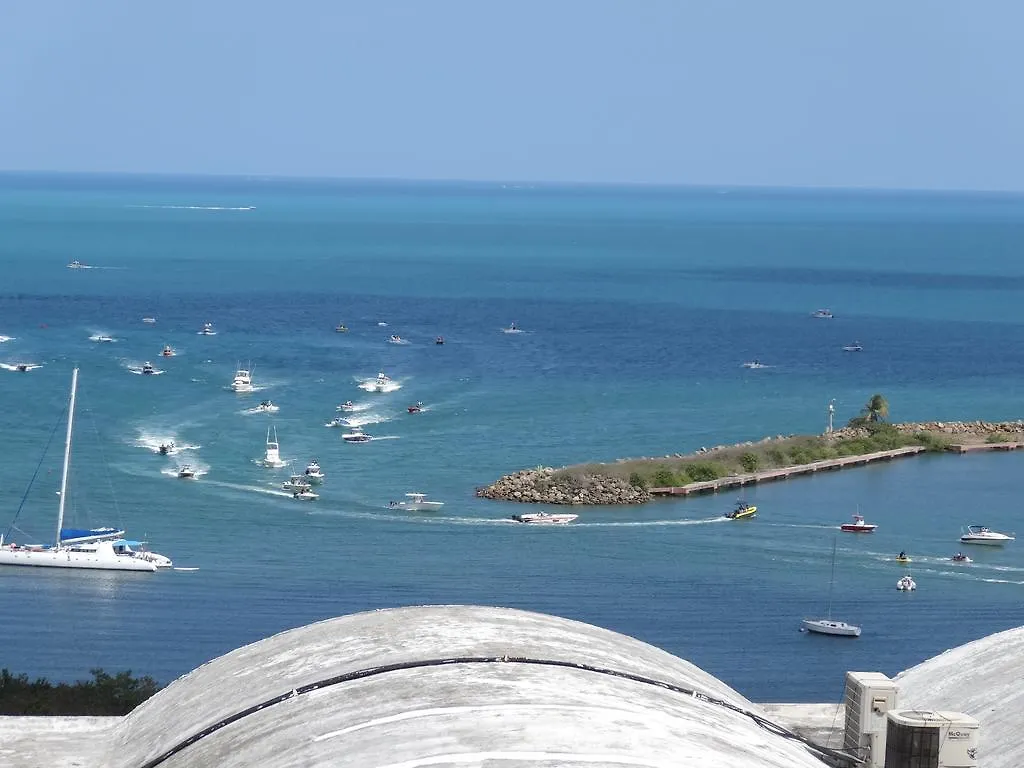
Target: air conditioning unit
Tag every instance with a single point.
(869, 697)
(926, 739)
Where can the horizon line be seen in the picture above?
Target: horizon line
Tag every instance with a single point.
(531, 183)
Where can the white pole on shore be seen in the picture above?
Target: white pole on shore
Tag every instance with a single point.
(831, 413)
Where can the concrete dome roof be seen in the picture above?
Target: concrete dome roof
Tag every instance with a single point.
(386, 703)
(983, 679)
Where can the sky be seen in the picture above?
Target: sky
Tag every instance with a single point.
(879, 94)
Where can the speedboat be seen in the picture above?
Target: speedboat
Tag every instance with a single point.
(439, 340)
(396, 340)
(544, 518)
(207, 330)
(960, 557)
(743, 511)
(272, 458)
(168, 351)
(102, 338)
(148, 369)
(305, 495)
(906, 584)
(381, 383)
(341, 329)
(855, 347)
(979, 534)
(754, 364)
(242, 381)
(337, 421)
(825, 314)
(149, 320)
(265, 407)
(348, 405)
(417, 501)
(185, 472)
(858, 525)
(512, 329)
(296, 483)
(416, 408)
(76, 264)
(313, 472)
(166, 449)
(356, 436)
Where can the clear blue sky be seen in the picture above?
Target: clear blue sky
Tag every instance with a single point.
(874, 93)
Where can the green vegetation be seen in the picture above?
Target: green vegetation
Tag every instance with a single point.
(871, 437)
(103, 695)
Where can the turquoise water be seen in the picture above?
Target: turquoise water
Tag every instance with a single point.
(639, 306)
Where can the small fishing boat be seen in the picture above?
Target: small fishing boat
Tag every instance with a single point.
(149, 320)
(356, 436)
(207, 330)
(166, 449)
(167, 351)
(906, 584)
(743, 511)
(296, 483)
(960, 557)
(305, 495)
(348, 405)
(416, 408)
(381, 382)
(272, 457)
(417, 502)
(858, 526)
(544, 518)
(439, 340)
(185, 472)
(822, 314)
(148, 369)
(341, 329)
(393, 339)
(337, 421)
(754, 365)
(266, 406)
(980, 534)
(313, 472)
(855, 347)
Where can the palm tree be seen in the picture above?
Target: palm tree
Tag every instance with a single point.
(876, 410)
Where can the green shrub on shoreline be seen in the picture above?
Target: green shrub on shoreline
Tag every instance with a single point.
(104, 695)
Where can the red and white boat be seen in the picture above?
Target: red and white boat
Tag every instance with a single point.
(858, 525)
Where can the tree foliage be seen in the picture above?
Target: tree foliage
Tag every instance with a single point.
(105, 694)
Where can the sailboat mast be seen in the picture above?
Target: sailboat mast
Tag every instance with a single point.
(67, 456)
(831, 581)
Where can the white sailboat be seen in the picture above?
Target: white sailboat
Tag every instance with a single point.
(272, 458)
(828, 625)
(96, 554)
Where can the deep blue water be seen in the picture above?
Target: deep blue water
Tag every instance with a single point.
(639, 306)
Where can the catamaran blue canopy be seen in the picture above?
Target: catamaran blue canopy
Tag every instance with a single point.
(79, 535)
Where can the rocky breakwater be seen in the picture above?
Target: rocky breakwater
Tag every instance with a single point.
(545, 485)
(967, 428)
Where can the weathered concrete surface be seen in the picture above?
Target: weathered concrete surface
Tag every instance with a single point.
(55, 742)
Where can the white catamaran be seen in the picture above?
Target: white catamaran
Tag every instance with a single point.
(74, 551)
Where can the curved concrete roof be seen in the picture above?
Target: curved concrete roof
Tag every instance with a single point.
(982, 678)
(467, 714)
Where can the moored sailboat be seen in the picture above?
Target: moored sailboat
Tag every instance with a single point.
(828, 625)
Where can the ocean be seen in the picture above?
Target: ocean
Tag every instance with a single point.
(638, 307)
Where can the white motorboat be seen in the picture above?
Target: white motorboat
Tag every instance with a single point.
(305, 495)
(102, 338)
(755, 364)
(207, 330)
(381, 383)
(855, 347)
(313, 472)
(95, 554)
(272, 458)
(76, 264)
(266, 407)
(337, 421)
(858, 526)
(167, 351)
(148, 369)
(296, 483)
(822, 314)
(341, 328)
(4, 339)
(20, 367)
(242, 381)
(394, 339)
(149, 320)
(417, 502)
(348, 405)
(513, 328)
(906, 584)
(185, 472)
(356, 436)
(828, 625)
(980, 534)
(544, 518)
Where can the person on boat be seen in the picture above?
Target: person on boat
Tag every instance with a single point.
(902, 555)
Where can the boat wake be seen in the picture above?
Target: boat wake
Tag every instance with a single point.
(370, 418)
(370, 385)
(355, 408)
(20, 367)
(153, 443)
(197, 207)
(185, 570)
(173, 471)
(6, 338)
(651, 523)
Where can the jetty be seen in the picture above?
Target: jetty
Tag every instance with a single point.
(784, 473)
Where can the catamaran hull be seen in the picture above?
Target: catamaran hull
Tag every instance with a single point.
(67, 559)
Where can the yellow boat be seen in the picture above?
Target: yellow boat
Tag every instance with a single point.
(902, 560)
(743, 511)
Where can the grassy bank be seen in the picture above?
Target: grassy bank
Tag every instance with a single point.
(755, 457)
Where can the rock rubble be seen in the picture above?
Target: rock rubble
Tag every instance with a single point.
(545, 485)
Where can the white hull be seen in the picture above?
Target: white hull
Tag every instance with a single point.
(416, 506)
(989, 540)
(543, 518)
(829, 627)
(236, 387)
(100, 559)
